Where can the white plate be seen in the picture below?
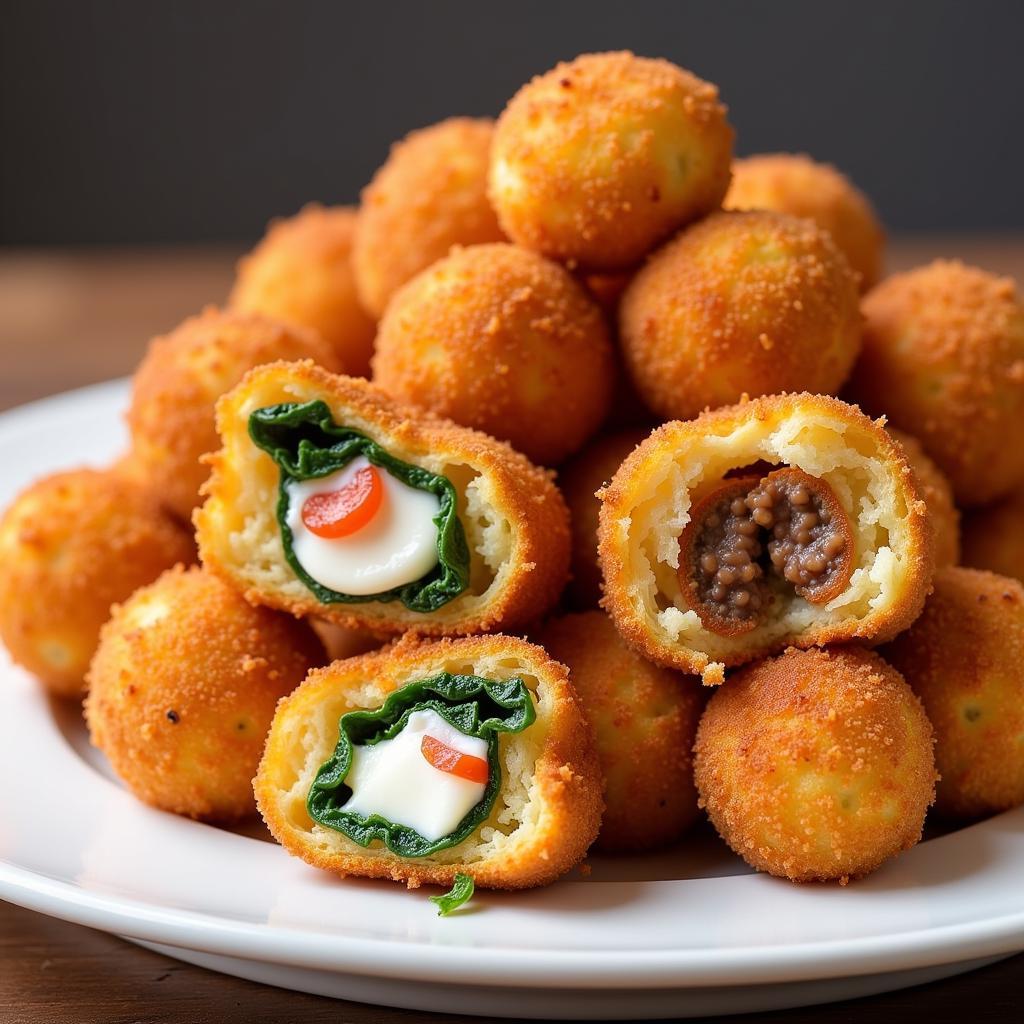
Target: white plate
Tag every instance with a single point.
(680, 934)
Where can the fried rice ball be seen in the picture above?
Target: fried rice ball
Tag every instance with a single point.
(963, 658)
(645, 719)
(600, 159)
(301, 273)
(177, 384)
(793, 183)
(943, 359)
(498, 338)
(742, 303)
(993, 537)
(580, 480)
(430, 194)
(816, 765)
(71, 545)
(183, 688)
(938, 496)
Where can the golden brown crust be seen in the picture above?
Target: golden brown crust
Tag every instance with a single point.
(301, 273)
(429, 195)
(71, 545)
(963, 658)
(943, 359)
(816, 765)
(642, 515)
(793, 183)
(601, 158)
(993, 538)
(564, 803)
(741, 303)
(531, 577)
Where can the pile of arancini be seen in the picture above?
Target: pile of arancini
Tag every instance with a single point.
(592, 264)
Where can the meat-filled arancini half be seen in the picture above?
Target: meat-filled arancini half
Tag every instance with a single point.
(301, 273)
(430, 194)
(177, 384)
(183, 688)
(786, 520)
(601, 158)
(502, 340)
(330, 499)
(71, 545)
(993, 537)
(816, 765)
(964, 657)
(943, 359)
(427, 760)
(645, 721)
(740, 304)
(793, 183)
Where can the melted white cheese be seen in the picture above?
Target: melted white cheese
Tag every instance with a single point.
(393, 778)
(397, 546)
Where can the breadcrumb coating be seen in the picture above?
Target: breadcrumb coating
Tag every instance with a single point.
(943, 359)
(430, 194)
(793, 183)
(993, 538)
(603, 157)
(71, 545)
(548, 809)
(963, 658)
(500, 339)
(816, 765)
(183, 688)
(301, 273)
(740, 304)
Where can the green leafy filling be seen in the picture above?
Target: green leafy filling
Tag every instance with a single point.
(473, 705)
(307, 444)
(459, 894)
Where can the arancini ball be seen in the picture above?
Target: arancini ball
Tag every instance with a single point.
(817, 764)
(498, 338)
(430, 194)
(183, 688)
(943, 359)
(301, 273)
(177, 384)
(71, 545)
(645, 720)
(793, 183)
(964, 657)
(742, 303)
(993, 537)
(600, 159)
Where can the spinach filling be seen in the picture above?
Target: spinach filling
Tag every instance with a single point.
(307, 444)
(473, 705)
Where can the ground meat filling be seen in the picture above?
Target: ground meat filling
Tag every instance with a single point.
(787, 525)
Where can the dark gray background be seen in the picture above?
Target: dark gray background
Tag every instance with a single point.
(134, 121)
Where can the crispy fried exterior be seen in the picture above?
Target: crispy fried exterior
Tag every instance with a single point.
(178, 383)
(301, 273)
(580, 480)
(183, 688)
(938, 496)
(601, 158)
(741, 303)
(548, 809)
(793, 183)
(646, 507)
(500, 339)
(963, 658)
(993, 538)
(645, 720)
(606, 288)
(70, 546)
(516, 522)
(430, 194)
(816, 765)
(943, 359)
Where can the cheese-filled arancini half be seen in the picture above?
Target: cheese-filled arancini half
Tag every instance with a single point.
(427, 760)
(786, 520)
(330, 499)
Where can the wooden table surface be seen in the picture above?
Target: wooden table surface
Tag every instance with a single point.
(72, 317)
